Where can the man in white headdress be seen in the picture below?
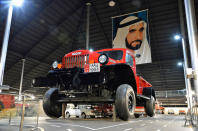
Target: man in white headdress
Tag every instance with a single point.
(131, 34)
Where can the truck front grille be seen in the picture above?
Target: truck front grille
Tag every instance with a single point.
(76, 61)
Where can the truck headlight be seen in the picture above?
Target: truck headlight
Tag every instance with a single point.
(55, 64)
(103, 59)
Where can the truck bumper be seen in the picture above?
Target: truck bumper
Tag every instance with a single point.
(73, 76)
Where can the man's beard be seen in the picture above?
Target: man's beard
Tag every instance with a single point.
(130, 45)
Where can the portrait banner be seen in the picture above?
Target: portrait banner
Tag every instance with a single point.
(131, 31)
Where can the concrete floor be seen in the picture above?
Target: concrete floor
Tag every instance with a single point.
(157, 123)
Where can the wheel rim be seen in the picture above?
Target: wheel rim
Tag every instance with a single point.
(154, 107)
(83, 115)
(130, 103)
(67, 115)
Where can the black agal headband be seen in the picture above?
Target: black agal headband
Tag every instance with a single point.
(129, 23)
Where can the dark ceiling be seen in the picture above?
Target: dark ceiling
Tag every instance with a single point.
(44, 30)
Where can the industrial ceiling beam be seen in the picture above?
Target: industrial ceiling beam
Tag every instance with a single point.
(34, 46)
(101, 26)
(57, 25)
(119, 7)
(29, 21)
(47, 4)
(27, 58)
(78, 28)
(22, 57)
(57, 48)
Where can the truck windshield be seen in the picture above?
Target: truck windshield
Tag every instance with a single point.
(114, 54)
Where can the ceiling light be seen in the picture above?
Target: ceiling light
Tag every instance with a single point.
(177, 37)
(17, 2)
(179, 63)
(32, 97)
(111, 3)
(91, 50)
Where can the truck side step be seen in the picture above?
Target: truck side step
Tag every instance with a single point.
(143, 96)
(87, 100)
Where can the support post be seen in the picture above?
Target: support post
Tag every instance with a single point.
(5, 44)
(185, 64)
(114, 113)
(192, 36)
(37, 115)
(87, 27)
(21, 82)
(22, 116)
(63, 110)
(10, 117)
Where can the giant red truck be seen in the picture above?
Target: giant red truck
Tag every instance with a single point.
(89, 77)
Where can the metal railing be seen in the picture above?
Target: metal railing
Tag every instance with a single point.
(172, 93)
(194, 115)
(23, 115)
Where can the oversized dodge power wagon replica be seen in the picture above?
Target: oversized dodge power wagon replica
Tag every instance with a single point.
(91, 77)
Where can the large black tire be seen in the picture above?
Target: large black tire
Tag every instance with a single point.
(1, 106)
(125, 102)
(92, 116)
(67, 115)
(137, 115)
(83, 115)
(51, 107)
(150, 107)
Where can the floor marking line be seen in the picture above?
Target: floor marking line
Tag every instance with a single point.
(55, 126)
(98, 128)
(14, 124)
(29, 125)
(113, 126)
(76, 126)
(42, 129)
(128, 129)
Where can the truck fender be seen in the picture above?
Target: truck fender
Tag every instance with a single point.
(148, 91)
(122, 74)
